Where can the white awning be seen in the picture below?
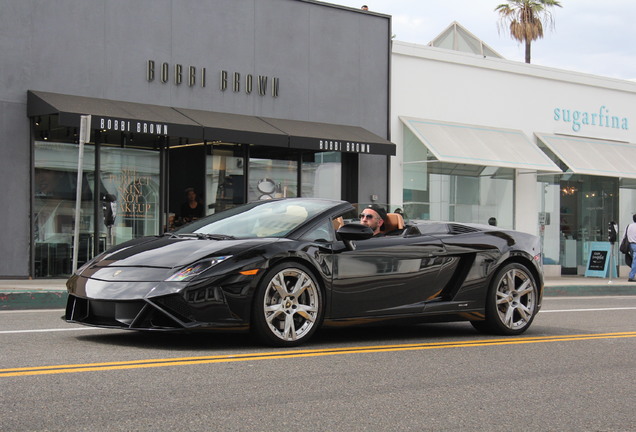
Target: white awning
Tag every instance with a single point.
(593, 156)
(459, 143)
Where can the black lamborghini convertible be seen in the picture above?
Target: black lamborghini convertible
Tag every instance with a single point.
(283, 268)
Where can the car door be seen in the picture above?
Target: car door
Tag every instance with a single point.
(389, 275)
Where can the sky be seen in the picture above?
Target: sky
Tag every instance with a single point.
(590, 36)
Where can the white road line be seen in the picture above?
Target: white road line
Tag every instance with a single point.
(560, 298)
(50, 330)
(588, 310)
(30, 311)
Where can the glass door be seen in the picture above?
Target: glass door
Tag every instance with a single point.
(588, 204)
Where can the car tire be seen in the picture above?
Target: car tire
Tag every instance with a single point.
(288, 306)
(511, 302)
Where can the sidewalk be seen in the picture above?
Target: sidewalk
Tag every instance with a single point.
(51, 293)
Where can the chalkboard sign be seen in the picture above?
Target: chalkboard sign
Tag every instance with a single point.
(598, 259)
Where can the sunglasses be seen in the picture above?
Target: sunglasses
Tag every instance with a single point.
(366, 216)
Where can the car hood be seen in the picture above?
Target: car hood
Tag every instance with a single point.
(139, 268)
(167, 252)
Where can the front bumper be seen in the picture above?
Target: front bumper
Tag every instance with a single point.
(218, 303)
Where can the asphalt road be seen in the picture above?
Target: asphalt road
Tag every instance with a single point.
(572, 371)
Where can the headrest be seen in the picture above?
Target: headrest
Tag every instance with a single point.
(338, 223)
(394, 221)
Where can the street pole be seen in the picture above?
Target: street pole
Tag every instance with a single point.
(85, 136)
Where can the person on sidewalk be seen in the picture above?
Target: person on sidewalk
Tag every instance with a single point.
(630, 233)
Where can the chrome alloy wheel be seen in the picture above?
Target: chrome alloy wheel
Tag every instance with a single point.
(516, 299)
(291, 304)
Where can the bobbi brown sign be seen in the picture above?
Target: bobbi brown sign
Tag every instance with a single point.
(193, 76)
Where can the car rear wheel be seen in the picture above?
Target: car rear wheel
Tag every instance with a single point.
(288, 306)
(511, 302)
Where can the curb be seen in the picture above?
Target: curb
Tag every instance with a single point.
(26, 300)
(589, 290)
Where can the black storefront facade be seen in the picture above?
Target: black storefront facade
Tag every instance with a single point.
(271, 130)
(136, 170)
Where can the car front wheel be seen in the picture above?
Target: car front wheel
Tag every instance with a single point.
(511, 302)
(288, 306)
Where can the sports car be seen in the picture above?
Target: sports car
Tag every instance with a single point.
(283, 268)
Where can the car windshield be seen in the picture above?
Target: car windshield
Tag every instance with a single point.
(275, 218)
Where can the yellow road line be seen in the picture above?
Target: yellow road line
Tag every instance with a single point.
(181, 361)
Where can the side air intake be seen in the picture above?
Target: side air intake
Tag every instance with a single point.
(461, 229)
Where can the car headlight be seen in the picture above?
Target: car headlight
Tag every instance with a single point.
(196, 269)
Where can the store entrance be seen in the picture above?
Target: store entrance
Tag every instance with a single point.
(569, 225)
(588, 204)
(186, 184)
(203, 179)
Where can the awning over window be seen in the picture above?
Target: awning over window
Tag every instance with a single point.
(593, 156)
(113, 115)
(236, 128)
(456, 143)
(135, 117)
(329, 136)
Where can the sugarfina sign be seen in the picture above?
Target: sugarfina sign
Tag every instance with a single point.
(602, 118)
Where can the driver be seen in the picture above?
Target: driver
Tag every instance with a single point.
(374, 217)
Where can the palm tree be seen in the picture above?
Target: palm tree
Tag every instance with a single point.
(526, 19)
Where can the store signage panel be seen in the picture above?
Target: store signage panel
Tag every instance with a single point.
(342, 146)
(126, 125)
(190, 75)
(601, 122)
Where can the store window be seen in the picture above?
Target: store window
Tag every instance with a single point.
(272, 173)
(55, 189)
(454, 192)
(321, 175)
(130, 186)
(550, 221)
(128, 202)
(225, 177)
(627, 205)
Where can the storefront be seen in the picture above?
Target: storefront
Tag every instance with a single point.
(226, 116)
(135, 174)
(541, 150)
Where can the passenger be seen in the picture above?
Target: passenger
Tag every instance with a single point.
(374, 217)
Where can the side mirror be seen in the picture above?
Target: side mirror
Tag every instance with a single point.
(350, 232)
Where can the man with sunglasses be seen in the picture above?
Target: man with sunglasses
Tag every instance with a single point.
(374, 217)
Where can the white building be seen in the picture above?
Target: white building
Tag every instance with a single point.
(545, 151)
